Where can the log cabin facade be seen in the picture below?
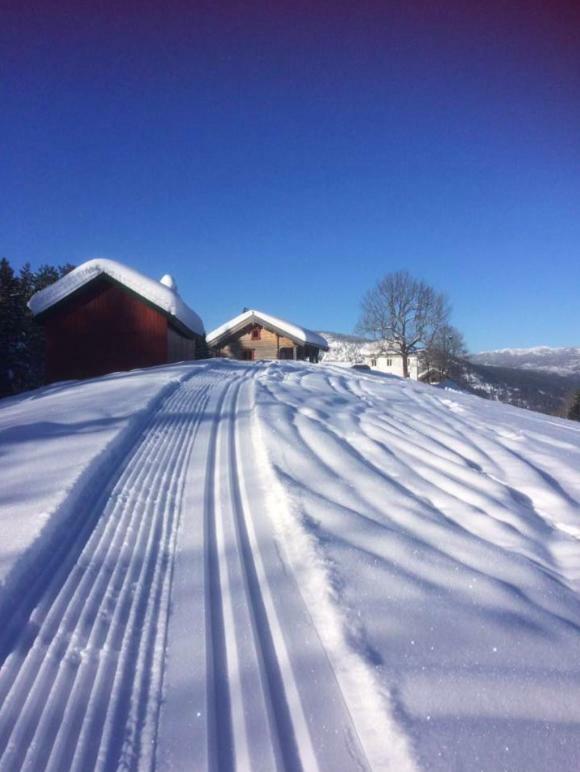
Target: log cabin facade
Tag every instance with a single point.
(103, 317)
(254, 335)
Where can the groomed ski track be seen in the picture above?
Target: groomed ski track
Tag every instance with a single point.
(172, 634)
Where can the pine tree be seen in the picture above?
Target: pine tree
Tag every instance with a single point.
(9, 324)
(21, 338)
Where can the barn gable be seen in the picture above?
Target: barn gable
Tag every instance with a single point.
(160, 295)
(109, 318)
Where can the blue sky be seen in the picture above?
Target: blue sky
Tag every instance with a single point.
(287, 156)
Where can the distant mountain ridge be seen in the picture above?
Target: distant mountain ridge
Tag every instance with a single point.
(564, 360)
(542, 390)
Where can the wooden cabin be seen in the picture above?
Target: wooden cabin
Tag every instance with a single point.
(104, 317)
(256, 335)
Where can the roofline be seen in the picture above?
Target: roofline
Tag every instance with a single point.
(255, 316)
(171, 318)
(388, 353)
(165, 300)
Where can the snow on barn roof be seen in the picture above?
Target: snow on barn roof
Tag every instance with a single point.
(300, 334)
(158, 294)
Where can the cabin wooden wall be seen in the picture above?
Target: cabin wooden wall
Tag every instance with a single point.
(103, 329)
(268, 347)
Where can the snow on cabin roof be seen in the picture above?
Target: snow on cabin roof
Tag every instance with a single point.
(292, 330)
(161, 295)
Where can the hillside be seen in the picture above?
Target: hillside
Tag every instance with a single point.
(559, 361)
(545, 392)
(281, 565)
(343, 347)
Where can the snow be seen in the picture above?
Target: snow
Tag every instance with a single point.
(380, 357)
(343, 348)
(168, 280)
(259, 317)
(531, 350)
(58, 441)
(162, 294)
(233, 564)
(561, 360)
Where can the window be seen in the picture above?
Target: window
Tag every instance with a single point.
(256, 333)
(389, 362)
(373, 362)
(248, 354)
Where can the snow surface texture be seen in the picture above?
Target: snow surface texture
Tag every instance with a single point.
(61, 442)
(351, 349)
(162, 294)
(344, 348)
(286, 562)
(560, 361)
(258, 317)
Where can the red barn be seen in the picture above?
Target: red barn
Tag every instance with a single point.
(104, 317)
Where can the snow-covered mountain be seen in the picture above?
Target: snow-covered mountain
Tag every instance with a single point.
(286, 566)
(559, 361)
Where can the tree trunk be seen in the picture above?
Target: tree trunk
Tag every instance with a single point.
(405, 364)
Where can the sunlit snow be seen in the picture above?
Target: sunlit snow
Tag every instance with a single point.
(248, 565)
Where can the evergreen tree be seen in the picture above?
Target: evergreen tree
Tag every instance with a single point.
(21, 337)
(9, 326)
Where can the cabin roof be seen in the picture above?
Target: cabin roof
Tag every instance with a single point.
(299, 334)
(160, 295)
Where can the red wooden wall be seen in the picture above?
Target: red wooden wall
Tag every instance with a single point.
(103, 329)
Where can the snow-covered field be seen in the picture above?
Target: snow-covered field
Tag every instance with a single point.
(280, 565)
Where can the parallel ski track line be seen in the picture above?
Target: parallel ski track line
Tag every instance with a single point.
(57, 562)
(220, 741)
(293, 733)
(229, 533)
(79, 697)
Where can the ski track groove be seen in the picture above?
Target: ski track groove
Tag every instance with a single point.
(239, 633)
(49, 725)
(82, 684)
(247, 637)
(291, 726)
(220, 730)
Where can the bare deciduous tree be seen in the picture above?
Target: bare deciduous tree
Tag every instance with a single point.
(446, 347)
(403, 314)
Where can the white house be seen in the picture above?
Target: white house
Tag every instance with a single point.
(385, 361)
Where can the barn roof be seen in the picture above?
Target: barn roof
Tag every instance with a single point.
(160, 295)
(252, 316)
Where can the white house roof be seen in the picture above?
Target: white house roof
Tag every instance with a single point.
(381, 349)
(161, 295)
(300, 334)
